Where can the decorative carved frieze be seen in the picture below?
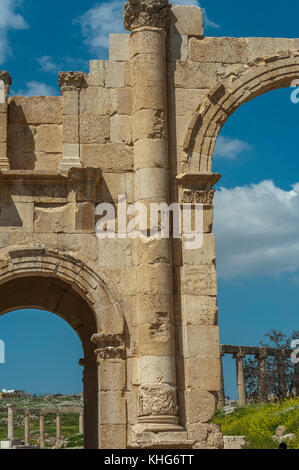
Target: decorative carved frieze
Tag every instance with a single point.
(154, 13)
(157, 400)
(196, 188)
(109, 346)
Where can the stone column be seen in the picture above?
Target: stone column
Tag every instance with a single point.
(10, 422)
(296, 380)
(240, 378)
(58, 426)
(221, 396)
(157, 398)
(262, 386)
(110, 355)
(42, 430)
(5, 82)
(280, 358)
(27, 428)
(71, 84)
(81, 422)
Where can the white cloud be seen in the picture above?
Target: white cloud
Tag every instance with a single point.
(257, 230)
(47, 64)
(9, 20)
(98, 22)
(105, 18)
(37, 89)
(229, 148)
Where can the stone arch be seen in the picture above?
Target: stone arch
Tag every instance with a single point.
(83, 276)
(77, 291)
(241, 85)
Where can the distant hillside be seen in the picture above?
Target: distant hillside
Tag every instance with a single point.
(259, 422)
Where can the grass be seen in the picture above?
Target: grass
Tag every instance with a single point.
(258, 423)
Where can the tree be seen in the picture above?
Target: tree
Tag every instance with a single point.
(280, 370)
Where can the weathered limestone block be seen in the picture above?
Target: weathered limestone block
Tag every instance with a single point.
(120, 129)
(49, 138)
(150, 277)
(199, 281)
(113, 436)
(70, 103)
(177, 47)
(70, 129)
(148, 124)
(21, 138)
(115, 252)
(35, 110)
(154, 339)
(206, 434)
(98, 100)
(234, 442)
(261, 47)
(154, 370)
(84, 243)
(201, 341)
(200, 406)
(96, 73)
(187, 100)
(108, 157)
(119, 47)
(124, 101)
(85, 217)
(94, 129)
(114, 74)
(112, 375)
(155, 183)
(3, 128)
(204, 255)
(150, 154)
(187, 20)
(55, 219)
(223, 50)
(116, 184)
(193, 75)
(17, 216)
(199, 310)
(199, 376)
(112, 408)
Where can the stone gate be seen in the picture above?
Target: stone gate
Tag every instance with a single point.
(142, 124)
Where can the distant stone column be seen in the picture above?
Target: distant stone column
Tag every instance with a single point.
(296, 379)
(5, 82)
(81, 422)
(71, 84)
(10, 422)
(281, 373)
(240, 378)
(58, 426)
(27, 428)
(262, 384)
(42, 430)
(221, 396)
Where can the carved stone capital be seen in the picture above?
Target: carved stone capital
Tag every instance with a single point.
(196, 188)
(140, 13)
(156, 400)
(72, 79)
(109, 346)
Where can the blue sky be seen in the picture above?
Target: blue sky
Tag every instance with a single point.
(257, 153)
